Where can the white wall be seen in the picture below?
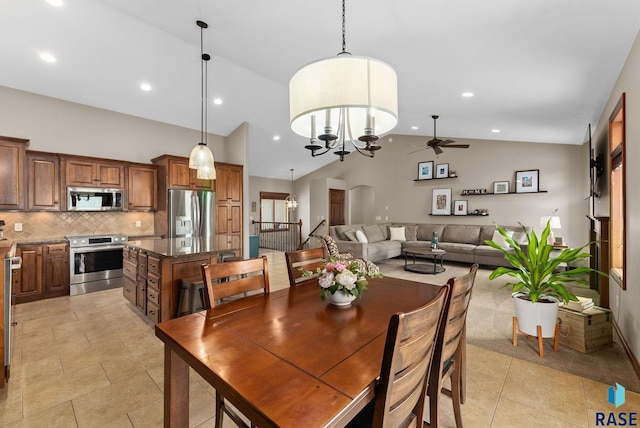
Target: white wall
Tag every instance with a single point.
(625, 303)
(58, 126)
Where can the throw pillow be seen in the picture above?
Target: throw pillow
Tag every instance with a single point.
(351, 235)
(397, 234)
(361, 236)
(499, 239)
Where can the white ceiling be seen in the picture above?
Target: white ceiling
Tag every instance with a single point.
(540, 70)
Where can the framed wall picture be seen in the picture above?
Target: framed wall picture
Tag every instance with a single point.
(460, 207)
(425, 170)
(441, 202)
(500, 187)
(442, 170)
(528, 181)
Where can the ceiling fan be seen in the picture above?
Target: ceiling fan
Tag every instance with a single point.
(437, 144)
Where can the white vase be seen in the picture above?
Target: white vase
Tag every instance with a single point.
(339, 298)
(531, 315)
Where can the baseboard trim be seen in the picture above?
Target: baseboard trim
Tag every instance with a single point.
(634, 362)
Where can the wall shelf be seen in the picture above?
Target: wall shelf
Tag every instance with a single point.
(498, 194)
(454, 215)
(434, 178)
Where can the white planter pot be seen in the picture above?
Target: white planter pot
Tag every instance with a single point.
(339, 298)
(531, 315)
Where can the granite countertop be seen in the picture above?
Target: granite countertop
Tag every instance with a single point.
(36, 241)
(176, 247)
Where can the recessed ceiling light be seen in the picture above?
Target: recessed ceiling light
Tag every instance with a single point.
(217, 101)
(276, 138)
(47, 57)
(467, 94)
(145, 86)
(414, 127)
(56, 3)
(495, 130)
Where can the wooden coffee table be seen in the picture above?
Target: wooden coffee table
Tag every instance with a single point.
(434, 269)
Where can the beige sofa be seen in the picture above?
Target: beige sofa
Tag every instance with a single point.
(463, 243)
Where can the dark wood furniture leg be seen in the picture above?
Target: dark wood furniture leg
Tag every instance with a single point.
(176, 390)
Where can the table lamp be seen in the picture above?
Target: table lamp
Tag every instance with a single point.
(554, 223)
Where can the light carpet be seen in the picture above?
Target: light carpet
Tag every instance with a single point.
(489, 325)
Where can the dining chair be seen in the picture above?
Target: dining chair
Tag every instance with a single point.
(404, 374)
(233, 279)
(448, 358)
(304, 260)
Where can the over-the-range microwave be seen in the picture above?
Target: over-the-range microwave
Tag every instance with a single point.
(94, 199)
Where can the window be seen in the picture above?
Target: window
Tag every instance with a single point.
(273, 209)
(617, 193)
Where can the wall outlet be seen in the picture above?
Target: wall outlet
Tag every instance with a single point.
(138, 223)
(17, 227)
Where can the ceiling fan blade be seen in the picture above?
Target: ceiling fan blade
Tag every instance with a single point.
(416, 151)
(437, 149)
(445, 142)
(458, 146)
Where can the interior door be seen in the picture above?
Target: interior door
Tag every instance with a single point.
(336, 207)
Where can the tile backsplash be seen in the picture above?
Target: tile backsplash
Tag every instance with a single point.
(59, 224)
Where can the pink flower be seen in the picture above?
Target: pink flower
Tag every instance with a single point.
(326, 280)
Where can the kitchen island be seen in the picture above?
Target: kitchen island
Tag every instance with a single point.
(153, 270)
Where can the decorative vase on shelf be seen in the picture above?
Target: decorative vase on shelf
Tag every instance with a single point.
(339, 298)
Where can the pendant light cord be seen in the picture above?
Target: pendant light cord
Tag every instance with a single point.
(344, 31)
(204, 87)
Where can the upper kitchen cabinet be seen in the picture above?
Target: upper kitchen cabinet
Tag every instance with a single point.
(228, 182)
(143, 187)
(43, 193)
(12, 173)
(90, 172)
(178, 175)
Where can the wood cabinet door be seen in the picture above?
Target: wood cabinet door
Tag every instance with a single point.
(222, 184)
(236, 219)
(223, 220)
(30, 282)
(234, 184)
(56, 277)
(80, 173)
(143, 188)
(179, 174)
(43, 183)
(110, 175)
(12, 177)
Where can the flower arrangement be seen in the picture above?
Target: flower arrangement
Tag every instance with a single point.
(348, 276)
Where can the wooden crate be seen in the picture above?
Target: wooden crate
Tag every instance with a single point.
(585, 331)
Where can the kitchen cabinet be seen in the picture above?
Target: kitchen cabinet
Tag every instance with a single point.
(92, 172)
(143, 187)
(175, 171)
(229, 206)
(43, 183)
(44, 272)
(27, 281)
(56, 270)
(12, 173)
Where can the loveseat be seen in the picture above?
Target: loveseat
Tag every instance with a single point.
(463, 243)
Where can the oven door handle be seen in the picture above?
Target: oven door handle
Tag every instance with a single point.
(79, 250)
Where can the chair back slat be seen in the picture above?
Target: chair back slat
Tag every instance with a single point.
(229, 279)
(304, 260)
(407, 357)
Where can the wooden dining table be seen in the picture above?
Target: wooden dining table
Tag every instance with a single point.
(286, 359)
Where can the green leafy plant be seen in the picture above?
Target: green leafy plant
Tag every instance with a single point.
(535, 271)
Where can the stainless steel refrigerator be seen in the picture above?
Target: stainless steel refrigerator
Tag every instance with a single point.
(191, 213)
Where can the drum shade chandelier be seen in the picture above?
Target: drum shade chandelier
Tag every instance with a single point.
(201, 158)
(334, 99)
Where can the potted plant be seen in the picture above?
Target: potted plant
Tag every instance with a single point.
(538, 285)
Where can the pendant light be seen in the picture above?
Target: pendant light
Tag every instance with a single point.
(201, 158)
(291, 202)
(343, 99)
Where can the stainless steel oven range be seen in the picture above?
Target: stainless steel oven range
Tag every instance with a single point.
(95, 262)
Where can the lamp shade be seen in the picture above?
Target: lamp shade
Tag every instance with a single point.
(206, 173)
(554, 222)
(363, 85)
(201, 156)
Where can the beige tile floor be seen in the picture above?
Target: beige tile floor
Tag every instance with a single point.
(94, 361)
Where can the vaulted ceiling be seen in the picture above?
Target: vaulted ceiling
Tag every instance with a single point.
(540, 71)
